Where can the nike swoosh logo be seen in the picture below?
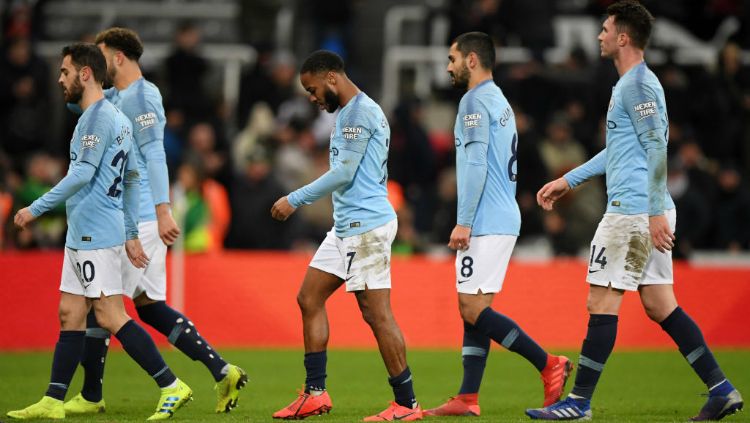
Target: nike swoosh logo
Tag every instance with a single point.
(463, 281)
(347, 279)
(397, 417)
(594, 271)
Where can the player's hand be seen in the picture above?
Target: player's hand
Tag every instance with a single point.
(551, 192)
(661, 234)
(23, 217)
(460, 238)
(168, 229)
(281, 209)
(135, 252)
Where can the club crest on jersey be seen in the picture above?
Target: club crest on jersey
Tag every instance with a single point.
(611, 104)
(146, 120)
(351, 132)
(645, 110)
(471, 120)
(89, 141)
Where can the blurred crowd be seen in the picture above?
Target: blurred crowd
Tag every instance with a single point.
(228, 166)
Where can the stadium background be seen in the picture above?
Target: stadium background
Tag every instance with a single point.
(240, 134)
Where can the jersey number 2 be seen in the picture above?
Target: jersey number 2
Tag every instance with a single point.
(120, 159)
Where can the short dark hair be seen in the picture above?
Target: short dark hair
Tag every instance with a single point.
(122, 39)
(87, 54)
(479, 43)
(322, 61)
(633, 19)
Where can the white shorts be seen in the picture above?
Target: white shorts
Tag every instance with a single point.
(91, 273)
(153, 279)
(622, 253)
(482, 266)
(362, 261)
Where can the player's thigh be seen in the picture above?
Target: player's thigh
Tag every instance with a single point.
(367, 258)
(375, 305)
(110, 312)
(619, 251)
(481, 268)
(150, 281)
(91, 273)
(317, 286)
(659, 270)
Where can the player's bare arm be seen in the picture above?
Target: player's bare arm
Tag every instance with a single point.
(23, 217)
(460, 238)
(281, 209)
(168, 229)
(551, 192)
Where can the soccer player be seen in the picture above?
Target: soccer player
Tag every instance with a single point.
(640, 217)
(102, 216)
(357, 251)
(487, 226)
(141, 103)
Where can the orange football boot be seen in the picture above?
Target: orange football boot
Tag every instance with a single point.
(304, 406)
(460, 405)
(554, 376)
(397, 412)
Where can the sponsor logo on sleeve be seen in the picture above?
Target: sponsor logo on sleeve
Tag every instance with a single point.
(145, 120)
(472, 120)
(645, 110)
(351, 132)
(89, 141)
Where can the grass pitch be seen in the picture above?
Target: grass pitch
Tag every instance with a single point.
(635, 387)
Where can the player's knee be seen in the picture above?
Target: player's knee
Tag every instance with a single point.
(657, 312)
(307, 302)
(67, 316)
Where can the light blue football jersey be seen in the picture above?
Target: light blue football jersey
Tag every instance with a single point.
(103, 139)
(141, 102)
(637, 106)
(363, 204)
(485, 116)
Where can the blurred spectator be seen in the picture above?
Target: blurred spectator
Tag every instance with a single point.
(186, 72)
(42, 173)
(412, 162)
(24, 100)
(693, 212)
(253, 194)
(532, 174)
(560, 152)
(202, 142)
(446, 213)
(273, 81)
(732, 211)
(202, 208)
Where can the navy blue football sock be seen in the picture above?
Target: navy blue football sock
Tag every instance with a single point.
(689, 339)
(722, 389)
(474, 356)
(315, 368)
(67, 354)
(507, 333)
(141, 348)
(182, 334)
(598, 345)
(403, 388)
(92, 361)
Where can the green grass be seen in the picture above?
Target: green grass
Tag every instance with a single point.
(636, 386)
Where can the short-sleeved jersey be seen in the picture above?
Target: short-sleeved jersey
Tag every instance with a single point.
(103, 139)
(637, 106)
(141, 102)
(362, 205)
(485, 116)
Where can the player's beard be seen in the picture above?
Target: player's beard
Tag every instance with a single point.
(461, 80)
(111, 73)
(331, 100)
(74, 93)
